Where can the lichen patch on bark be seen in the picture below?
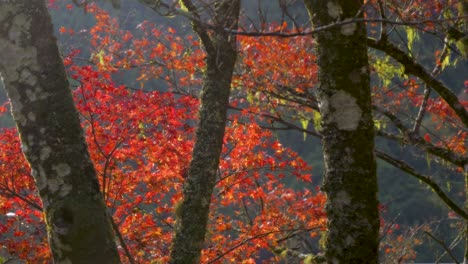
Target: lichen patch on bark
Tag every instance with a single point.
(32, 116)
(62, 231)
(62, 169)
(355, 76)
(31, 95)
(364, 70)
(323, 106)
(28, 77)
(348, 29)
(334, 9)
(41, 179)
(20, 118)
(24, 148)
(349, 240)
(17, 55)
(342, 199)
(45, 153)
(54, 184)
(65, 189)
(346, 113)
(30, 140)
(20, 23)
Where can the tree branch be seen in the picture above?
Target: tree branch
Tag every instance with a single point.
(440, 242)
(427, 180)
(258, 236)
(122, 241)
(7, 191)
(416, 140)
(416, 69)
(316, 30)
(199, 26)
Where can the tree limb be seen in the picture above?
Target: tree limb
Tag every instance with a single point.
(427, 180)
(414, 139)
(440, 242)
(416, 69)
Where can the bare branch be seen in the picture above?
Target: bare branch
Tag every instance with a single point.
(426, 179)
(337, 24)
(122, 241)
(427, 91)
(440, 242)
(258, 236)
(416, 140)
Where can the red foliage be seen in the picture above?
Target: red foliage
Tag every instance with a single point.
(141, 142)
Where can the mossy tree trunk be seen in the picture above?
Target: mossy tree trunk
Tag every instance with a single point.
(344, 97)
(52, 140)
(220, 59)
(465, 175)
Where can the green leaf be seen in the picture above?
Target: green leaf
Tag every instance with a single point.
(250, 97)
(141, 128)
(412, 36)
(309, 259)
(317, 119)
(446, 62)
(378, 124)
(448, 13)
(462, 46)
(284, 253)
(305, 124)
(100, 56)
(428, 160)
(387, 70)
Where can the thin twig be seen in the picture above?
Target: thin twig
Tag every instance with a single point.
(427, 180)
(387, 230)
(427, 91)
(245, 241)
(337, 24)
(440, 242)
(122, 241)
(454, 243)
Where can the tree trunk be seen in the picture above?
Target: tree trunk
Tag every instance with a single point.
(348, 134)
(52, 140)
(221, 56)
(465, 176)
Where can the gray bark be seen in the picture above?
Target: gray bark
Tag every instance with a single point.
(344, 97)
(221, 56)
(52, 140)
